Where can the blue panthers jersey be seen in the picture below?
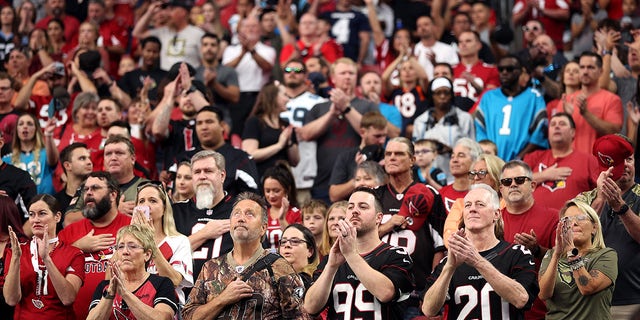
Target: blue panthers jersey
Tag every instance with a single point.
(512, 122)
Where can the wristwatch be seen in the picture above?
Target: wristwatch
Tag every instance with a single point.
(623, 209)
(606, 52)
(572, 253)
(106, 295)
(346, 110)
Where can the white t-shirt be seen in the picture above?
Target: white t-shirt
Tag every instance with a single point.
(178, 249)
(250, 76)
(179, 46)
(443, 53)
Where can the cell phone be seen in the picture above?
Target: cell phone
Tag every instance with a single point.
(52, 108)
(144, 209)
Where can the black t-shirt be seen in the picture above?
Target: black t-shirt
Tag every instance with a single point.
(349, 299)
(189, 220)
(472, 297)
(182, 138)
(242, 174)
(266, 136)
(19, 186)
(423, 243)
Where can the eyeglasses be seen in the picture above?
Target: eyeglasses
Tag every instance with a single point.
(422, 151)
(294, 70)
(480, 174)
(5, 88)
(93, 188)
(293, 241)
(129, 246)
(507, 68)
(527, 28)
(519, 180)
(578, 218)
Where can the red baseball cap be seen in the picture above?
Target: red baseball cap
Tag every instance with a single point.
(415, 206)
(611, 151)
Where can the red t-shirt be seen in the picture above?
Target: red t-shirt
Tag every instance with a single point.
(554, 27)
(585, 171)
(485, 74)
(449, 196)
(71, 27)
(95, 263)
(68, 260)
(543, 220)
(330, 51)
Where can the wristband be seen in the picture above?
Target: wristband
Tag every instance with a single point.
(576, 264)
(106, 295)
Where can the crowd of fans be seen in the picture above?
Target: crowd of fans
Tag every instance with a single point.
(404, 159)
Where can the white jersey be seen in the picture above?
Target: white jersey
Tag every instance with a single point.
(177, 251)
(297, 109)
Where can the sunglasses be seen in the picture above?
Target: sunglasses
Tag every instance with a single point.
(294, 70)
(578, 218)
(480, 174)
(519, 180)
(507, 68)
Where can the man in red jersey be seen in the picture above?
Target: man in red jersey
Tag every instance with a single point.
(95, 234)
(472, 76)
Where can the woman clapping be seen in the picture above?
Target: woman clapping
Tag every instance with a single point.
(44, 275)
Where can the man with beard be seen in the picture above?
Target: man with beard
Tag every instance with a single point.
(222, 80)
(375, 276)
(55, 76)
(617, 201)
(244, 289)
(300, 102)
(95, 234)
(205, 218)
(241, 170)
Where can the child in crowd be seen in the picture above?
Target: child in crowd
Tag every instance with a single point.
(488, 147)
(314, 213)
(426, 151)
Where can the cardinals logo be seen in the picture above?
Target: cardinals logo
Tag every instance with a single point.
(605, 159)
(552, 185)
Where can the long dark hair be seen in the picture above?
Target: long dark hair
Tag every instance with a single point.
(281, 172)
(10, 216)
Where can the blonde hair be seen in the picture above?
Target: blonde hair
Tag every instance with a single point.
(168, 222)
(597, 241)
(327, 242)
(16, 149)
(142, 234)
(494, 168)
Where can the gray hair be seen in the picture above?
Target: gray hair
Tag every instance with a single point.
(257, 199)
(407, 142)
(83, 99)
(518, 163)
(475, 150)
(494, 200)
(375, 170)
(217, 157)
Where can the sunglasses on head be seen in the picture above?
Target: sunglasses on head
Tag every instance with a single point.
(294, 70)
(154, 183)
(519, 180)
